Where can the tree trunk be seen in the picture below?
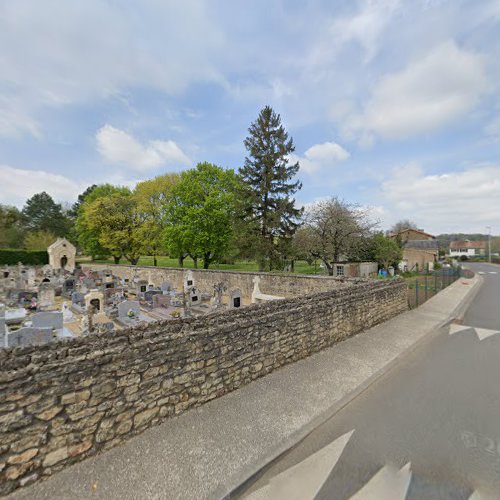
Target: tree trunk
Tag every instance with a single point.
(329, 267)
(116, 259)
(134, 260)
(292, 265)
(155, 261)
(195, 260)
(181, 260)
(206, 260)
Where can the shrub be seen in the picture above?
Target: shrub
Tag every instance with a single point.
(27, 257)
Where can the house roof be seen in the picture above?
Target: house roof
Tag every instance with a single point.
(419, 231)
(467, 244)
(59, 242)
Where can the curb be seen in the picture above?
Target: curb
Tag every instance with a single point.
(243, 479)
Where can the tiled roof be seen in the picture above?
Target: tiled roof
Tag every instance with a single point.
(467, 244)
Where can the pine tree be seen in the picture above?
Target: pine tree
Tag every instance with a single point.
(42, 213)
(268, 187)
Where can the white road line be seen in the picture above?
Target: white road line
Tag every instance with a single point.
(493, 272)
(388, 482)
(304, 480)
(482, 333)
(481, 272)
(480, 496)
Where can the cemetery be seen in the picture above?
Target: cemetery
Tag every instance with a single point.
(40, 304)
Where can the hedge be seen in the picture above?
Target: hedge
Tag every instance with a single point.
(27, 257)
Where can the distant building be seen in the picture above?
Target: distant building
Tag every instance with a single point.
(62, 255)
(467, 249)
(420, 249)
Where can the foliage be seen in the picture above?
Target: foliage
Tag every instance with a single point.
(387, 251)
(27, 257)
(42, 213)
(11, 227)
(87, 236)
(268, 186)
(153, 198)
(115, 221)
(401, 225)
(336, 229)
(39, 240)
(201, 212)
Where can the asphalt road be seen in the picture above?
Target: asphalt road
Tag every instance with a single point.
(427, 429)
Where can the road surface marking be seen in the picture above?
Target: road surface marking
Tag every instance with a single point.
(492, 272)
(482, 333)
(481, 272)
(304, 480)
(388, 482)
(479, 496)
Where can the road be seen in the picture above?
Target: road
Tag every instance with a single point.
(428, 429)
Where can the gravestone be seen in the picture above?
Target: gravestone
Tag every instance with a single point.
(128, 309)
(150, 294)
(166, 287)
(29, 336)
(161, 300)
(46, 296)
(78, 298)
(3, 327)
(47, 319)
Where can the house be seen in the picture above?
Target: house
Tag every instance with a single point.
(420, 249)
(467, 249)
(62, 255)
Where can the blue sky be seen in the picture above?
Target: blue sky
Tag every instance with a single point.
(392, 104)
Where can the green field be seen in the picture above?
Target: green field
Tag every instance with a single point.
(301, 267)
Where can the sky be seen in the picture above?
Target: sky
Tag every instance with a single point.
(392, 104)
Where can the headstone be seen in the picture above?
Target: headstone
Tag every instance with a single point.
(129, 309)
(47, 319)
(3, 327)
(150, 294)
(67, 313)
(78, 298)
(161, 301)
(46, 296)
(29, 336)
(166, 286)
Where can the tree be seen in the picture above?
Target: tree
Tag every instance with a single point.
(153, 197)
(268, 187)
(42, 213)
(387, 251)
(401, 225)
(39, 240)
(201, 213)
(336, 228)
(11, 227)
(114, 218)
(87, 237)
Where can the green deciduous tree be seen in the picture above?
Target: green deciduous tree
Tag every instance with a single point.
(11, 227)
(268, 187)
(39, 240)
(115, 220)
(201, 213)
(153, 198)
(42, 213)
(86, 235)
(387, 251)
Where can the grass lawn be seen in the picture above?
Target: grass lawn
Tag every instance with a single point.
(301, 267)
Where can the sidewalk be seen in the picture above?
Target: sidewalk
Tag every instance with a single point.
(208, 451)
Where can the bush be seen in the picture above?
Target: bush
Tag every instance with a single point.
(27, 257)
(463, 258)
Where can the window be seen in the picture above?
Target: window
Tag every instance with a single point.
(340, 270)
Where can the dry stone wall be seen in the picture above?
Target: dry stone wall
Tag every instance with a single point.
(63, 401)
(282, 285)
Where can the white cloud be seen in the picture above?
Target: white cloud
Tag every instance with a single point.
(321, 156)
(19, 184)
(464, 201)
(62, 53)
(427, 94)
(117, 146)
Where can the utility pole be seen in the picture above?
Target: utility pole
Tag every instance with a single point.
(489, 243)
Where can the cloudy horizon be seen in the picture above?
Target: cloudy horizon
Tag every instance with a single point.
(392, 104)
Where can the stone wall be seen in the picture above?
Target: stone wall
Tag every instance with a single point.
(282, 285)
(69, 399)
